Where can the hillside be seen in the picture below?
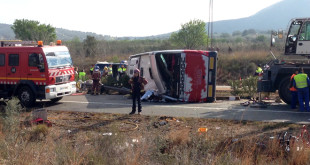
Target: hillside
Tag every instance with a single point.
(274, 17)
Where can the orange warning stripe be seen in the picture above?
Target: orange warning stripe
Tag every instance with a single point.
(18, 78)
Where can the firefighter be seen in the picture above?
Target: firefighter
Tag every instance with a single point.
(121, 70)
(105, 71)
(82, 75)
(110, 70)
(301, 82)
(96, 76)
(91, 70)
(293, 90)
(137, 85)
(76, 74)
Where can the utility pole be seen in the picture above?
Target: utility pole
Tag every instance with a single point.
(210, 24)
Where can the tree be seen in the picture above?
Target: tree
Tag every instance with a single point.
(33, 31)
(90, 46)
(191, 36)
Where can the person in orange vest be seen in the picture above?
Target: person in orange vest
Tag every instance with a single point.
(137, 85)
(294, 93)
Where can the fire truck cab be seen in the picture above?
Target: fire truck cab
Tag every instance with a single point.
(30, 71)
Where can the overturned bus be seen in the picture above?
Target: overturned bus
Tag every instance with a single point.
(178, 75)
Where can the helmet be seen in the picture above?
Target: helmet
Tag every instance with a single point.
(96, 68)
(137, 70)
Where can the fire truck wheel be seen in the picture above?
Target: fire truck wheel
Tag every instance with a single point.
(284, 91)
(56, 99)
(26, 96)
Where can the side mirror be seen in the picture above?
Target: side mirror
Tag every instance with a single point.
(273, 41)
(41, 68)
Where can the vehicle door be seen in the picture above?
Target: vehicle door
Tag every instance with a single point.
(146, 72)
(2, 68)
(35, 68)
(14, 69)
(303, 44)
(133, 64)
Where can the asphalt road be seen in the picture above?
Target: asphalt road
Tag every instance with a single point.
(221, 109)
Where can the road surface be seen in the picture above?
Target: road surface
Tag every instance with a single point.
(221, 109)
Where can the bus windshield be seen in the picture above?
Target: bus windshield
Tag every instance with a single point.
(58, 59)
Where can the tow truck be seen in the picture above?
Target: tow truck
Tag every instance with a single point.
(31, 71)
(277, 74)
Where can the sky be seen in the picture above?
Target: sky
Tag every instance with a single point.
(119, 18)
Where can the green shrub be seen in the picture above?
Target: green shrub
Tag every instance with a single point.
(245, 87)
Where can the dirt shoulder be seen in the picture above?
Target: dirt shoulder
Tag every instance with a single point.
(100, 138)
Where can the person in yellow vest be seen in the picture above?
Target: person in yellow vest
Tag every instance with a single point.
(259, 70)
(91, 70)
(294, 93)
(121, 70)
(110, 70)
(82, 75)
(301, 82)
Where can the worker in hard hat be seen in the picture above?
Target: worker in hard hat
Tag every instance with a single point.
(110, 70)
(96, 76)
(121, 70)
(137, 85)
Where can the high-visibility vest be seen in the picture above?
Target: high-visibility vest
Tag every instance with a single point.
(122, 70)
(259, 70)
(91, 69)
(82, 76)
(293, 88)
(301, 80)
(110, 71)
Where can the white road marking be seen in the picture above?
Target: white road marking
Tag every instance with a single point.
(85, 102)
(190, 107)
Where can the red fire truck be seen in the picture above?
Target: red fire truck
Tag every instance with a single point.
(32, 71)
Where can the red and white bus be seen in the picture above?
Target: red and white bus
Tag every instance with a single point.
(179, 75)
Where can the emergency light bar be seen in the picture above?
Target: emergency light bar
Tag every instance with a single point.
(40, 43)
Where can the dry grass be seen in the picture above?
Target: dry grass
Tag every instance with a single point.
(93, 138)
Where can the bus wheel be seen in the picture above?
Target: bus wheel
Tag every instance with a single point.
(56, 99)
(26, 96)
(284, 90)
